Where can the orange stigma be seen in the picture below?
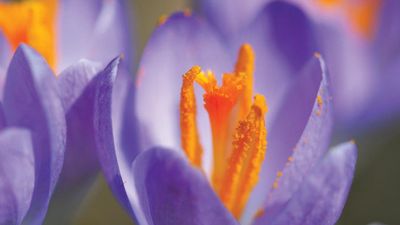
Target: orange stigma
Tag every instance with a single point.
(31, 22)
(361, 14)
(237, 126)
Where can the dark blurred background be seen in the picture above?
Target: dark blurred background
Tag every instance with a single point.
(374, 197)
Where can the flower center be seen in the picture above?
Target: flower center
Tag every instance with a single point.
(237, 153)
(31, 22)
(361, 14)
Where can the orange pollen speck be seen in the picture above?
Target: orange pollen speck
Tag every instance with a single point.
(31, 22)
(361, 14)
(237, 126)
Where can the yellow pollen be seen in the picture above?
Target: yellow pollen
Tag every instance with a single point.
(189, 133)
(237, 125)
(361, 14)
(162, 20)
(31, 22)
(249, 147)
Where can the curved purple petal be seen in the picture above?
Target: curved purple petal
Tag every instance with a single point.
(103, 30)
(321, 196)
(78, 89)
(113, 160)
(172, 192)
(230, 16)
(5, 55)
(31, 100)
(17, 175)
(309, 150)
(182, 42)
(286, 129)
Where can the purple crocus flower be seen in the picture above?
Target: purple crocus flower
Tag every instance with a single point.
(95, 31)
(32, 137)
(298, 177)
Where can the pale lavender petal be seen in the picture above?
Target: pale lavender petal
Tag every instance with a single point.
(171, 192)
(321, 197)
(286, 130)
(309, 150)
(229, 16)
(17, 175)
(78, 89)
(182, 42)
(31, 100)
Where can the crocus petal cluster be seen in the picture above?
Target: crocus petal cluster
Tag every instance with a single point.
(96, 31)
(157, 185)
(33, 138)
(46, 120)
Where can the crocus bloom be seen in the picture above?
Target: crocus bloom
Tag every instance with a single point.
(158, 186)
(32, 154)
(65, 32)
(360, 40)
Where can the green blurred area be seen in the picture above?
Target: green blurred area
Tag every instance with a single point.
(375, 192)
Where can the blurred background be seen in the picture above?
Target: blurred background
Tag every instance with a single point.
(374, 197)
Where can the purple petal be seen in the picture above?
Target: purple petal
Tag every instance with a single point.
(17, 175)
(111, 159)
(5, 55)
(182, 42)
(78, 89)
(285, 131)
(230, 16)
(310, 148)
(321, 197)
(172, 192)
(31, 100)
(100, 21)
(3, 121)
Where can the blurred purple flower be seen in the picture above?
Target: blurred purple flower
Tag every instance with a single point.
(89, 35)
(157, 186)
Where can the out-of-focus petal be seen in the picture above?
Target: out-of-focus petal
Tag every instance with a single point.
(73, 40)
(31, 100)
(182, 42)
(17, 175)
(112, 27)
(321, 197)
(78, 89)
(287, 128)
(230, 16)
(112, 159)
(279, 56)
(309, 150)
(5, 55)
(103, 31)
(173, 192)
(3, 121)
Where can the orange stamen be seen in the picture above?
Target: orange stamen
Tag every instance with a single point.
(245, 64)
(31, 22)
(219, 102)
(189, 133)
(248, 153)
(238, 154)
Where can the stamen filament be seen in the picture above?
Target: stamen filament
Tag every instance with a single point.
(248, 153)
(189, 133)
